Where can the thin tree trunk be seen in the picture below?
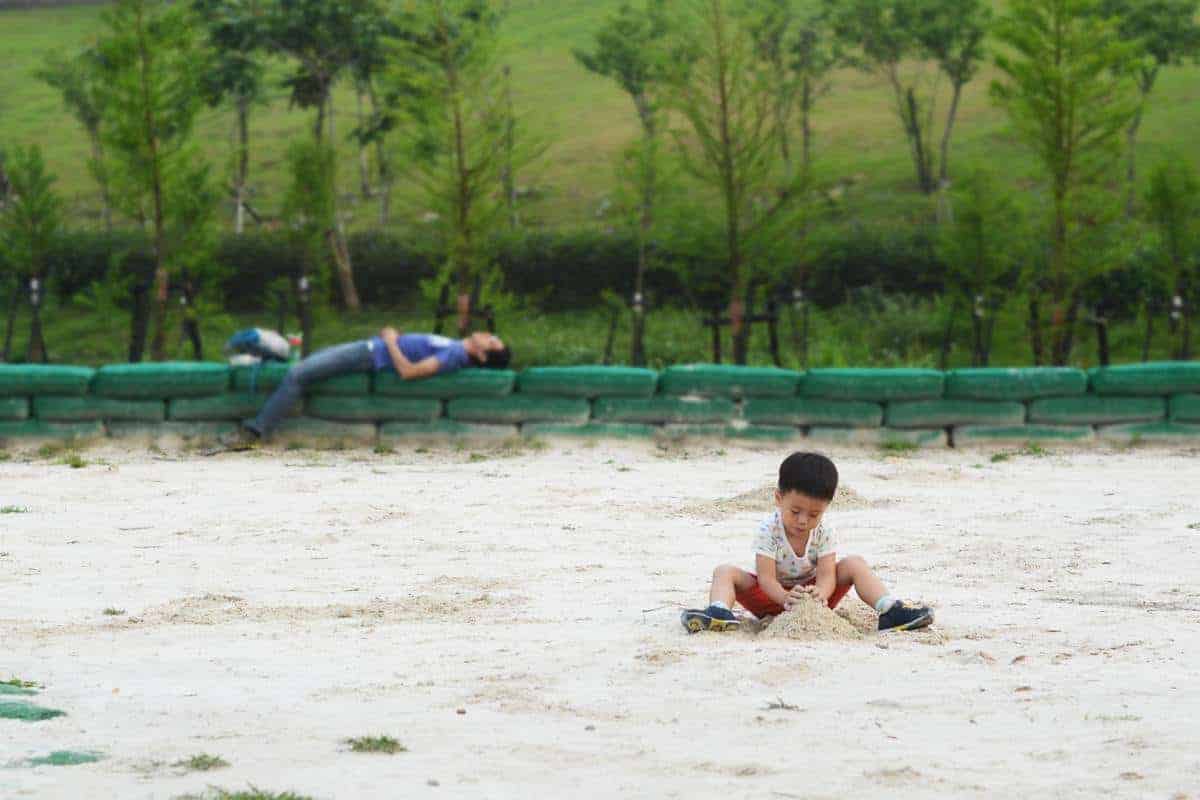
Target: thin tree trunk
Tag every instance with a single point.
(507, 174)
(364, 161)
(139, 321)
(1149, 331)
(806, 130)
(1035, 330)
(947, 337)
(100, 172)
(385, 164)
(14, 304)
(944, 166)
(1102, 339)
(243, 163)
(35, 352)
(1131, 172)
(333, 234)
(1066, 340)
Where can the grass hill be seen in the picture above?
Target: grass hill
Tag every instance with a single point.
(585, 120)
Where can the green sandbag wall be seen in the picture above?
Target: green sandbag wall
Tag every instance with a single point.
(764, 405)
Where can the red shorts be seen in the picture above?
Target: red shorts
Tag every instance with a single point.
(755, 600)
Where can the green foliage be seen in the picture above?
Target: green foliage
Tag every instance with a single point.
(309, 205)
(13, 510)
(202, 762)
(378, 744)
(1173, 207)
(32, 218)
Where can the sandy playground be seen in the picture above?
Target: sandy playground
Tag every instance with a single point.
(511, 617)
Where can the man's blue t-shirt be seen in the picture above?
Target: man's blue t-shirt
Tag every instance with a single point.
(416, 347)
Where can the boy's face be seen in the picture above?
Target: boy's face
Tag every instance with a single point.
(799, 512)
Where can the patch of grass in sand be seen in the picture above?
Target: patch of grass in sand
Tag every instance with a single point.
(5, 455)
(475, 458)
(1000, 457)
(251, 793)
(113, 612)
(1028, 449)
(421, 451)
(74, 460)
(294, 445)
(1195, 526)
(382, 449)
(14, 510)
(202, 762)
(897, 446)
(65, 758)
(49, 450)
(21, 684)
(27, 712)
(376, 744)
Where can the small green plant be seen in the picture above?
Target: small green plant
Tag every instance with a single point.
(113, 612)
(382, 449)
(1001, 456)
(897, 446)
(49, 450)
(21, 684)
(294, 445)
(421, 451)
(4, 455)
(1195, 526)
(1034, 449)
(202, 762)
(376, 744)
(475, 458)
(251, 793)
(74, 460)
(14, 510)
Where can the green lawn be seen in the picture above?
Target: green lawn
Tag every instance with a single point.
(584, 119)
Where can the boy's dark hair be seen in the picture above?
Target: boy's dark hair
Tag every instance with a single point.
(495, 359)
(809, 474)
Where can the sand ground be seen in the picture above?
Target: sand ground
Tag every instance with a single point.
(511, 616)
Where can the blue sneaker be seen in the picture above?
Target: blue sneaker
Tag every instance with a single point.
(902, 618)
(713, 618)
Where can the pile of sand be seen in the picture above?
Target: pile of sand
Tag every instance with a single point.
(809, 621)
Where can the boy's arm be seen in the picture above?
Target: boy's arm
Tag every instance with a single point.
(405, 368)
(826, 580)
(768, 581)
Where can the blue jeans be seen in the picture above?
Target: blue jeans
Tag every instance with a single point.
(337, 360)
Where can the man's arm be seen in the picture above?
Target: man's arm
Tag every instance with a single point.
(405, 368)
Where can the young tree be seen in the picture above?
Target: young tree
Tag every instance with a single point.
(726, 97)
(1067, 88)
(896, 39)
(629, 49)
(455, 100)
(980, 245)
(1169, 33)
(326, 38)
(151, 85)
(28, 226)
(77, 80)
(234, 32)
(1173, 205)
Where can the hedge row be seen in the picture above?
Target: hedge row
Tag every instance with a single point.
(836, 405)
(567, 269)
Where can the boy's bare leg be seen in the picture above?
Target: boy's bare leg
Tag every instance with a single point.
(854, 571)
(727, 581)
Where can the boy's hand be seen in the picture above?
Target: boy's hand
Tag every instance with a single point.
(815, 592)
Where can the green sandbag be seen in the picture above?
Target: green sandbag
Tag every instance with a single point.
(992, 434)
(445, 429)
(591, 430)
(375, 408)
(1151, 432)
(517, 408)
(189, 430)
(79, 409)
(878, 437)
(663, 409)
(1154, 378)
(14, 409)
(470, 382)
(877, 385)
(1093, 410)
(35, 379)
(588, 381)
(303, 429)
(161, 380)
(813, 411)
(720, 380)
(264, 377)
(767, 433)
(1185, 408)
(228, 406)
(944, 413)
(60, 431)
(1000, 383)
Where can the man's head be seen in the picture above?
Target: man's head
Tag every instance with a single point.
(807, 483)
(486, 350)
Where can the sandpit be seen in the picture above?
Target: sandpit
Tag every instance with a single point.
(510, 618)
(809, 621)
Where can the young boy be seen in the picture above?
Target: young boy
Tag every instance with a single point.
(795, 555)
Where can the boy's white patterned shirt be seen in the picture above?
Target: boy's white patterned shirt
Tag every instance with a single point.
(791, 567)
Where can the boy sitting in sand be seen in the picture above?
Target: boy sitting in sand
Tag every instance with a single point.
(795, 555)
